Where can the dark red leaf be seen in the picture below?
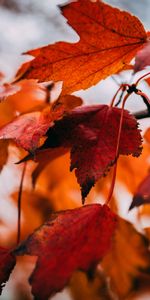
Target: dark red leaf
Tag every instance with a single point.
(7, 263)
(142, 195)
(92, 134)
(70, 240)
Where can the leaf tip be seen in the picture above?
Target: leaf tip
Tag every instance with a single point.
(86, 187)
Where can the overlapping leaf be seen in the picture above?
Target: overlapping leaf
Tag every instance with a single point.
(26, 130)
(147, 135)
(44, 158)
(128, 259)
(83, 286)
(109, 38)
(30, 95)
(124, 272)
(7, 90)
(92, 134)
(70, 240)
(131, 171)
(35, 207)
(142, 195)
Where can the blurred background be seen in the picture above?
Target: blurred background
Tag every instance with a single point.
(28, 24)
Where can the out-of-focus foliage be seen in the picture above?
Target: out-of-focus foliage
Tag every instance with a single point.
(43, 106)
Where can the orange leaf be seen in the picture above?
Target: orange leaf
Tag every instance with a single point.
(8, 89)
(148, 80)
(128, 259)
(147, 135)
(29, 96)
(131, 171)
(109, 38)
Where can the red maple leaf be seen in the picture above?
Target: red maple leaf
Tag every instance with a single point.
(92, 133)
(70, 240)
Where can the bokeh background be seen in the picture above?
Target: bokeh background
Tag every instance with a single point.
(28, 24)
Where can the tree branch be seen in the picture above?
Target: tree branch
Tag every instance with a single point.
(142, 114)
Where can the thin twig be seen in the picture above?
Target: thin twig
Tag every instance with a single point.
(121, 88)
(121, 96)
(19, 204)
(146, 100)
(115, 80)
(143, 114)
(141, 78)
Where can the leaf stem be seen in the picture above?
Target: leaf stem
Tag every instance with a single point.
(19, 204)
(112, 183)
(145, 99)
(141, 78)
(117, 150)
(123, 88)
(120, 98)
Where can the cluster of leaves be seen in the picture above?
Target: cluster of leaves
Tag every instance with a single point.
(54, 123)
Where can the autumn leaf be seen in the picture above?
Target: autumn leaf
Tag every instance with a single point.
(147, 135)
(30, 95)
(128, 259)
(68, 102)
(92, 132)
(142, 195)
(147, 80)
(142, 58)
(61, 188)
(44, 158)
(70, 240)
(33, 96)
(109, 39)
(7, 263)
(35, 207)
(130, 170)
(26, 130)
(8, 89)
(96, 287)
